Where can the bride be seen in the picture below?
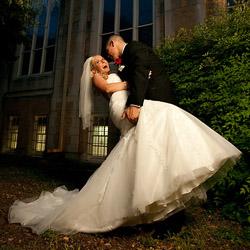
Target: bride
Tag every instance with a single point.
(161, 165)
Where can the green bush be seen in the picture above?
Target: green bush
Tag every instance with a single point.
(210, 68)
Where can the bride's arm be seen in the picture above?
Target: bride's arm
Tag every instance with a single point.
(108, 88)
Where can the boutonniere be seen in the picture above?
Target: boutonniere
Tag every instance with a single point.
(118, 62)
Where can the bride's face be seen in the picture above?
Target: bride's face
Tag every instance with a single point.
(100, 64)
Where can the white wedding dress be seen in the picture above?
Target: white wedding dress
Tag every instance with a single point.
(157, 168)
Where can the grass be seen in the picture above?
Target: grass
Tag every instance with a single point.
(197, 228)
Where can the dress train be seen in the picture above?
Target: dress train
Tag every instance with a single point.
(160, 166)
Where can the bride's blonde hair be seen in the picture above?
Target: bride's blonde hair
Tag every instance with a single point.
(93, 66)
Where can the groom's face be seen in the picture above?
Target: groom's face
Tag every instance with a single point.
(112, 50)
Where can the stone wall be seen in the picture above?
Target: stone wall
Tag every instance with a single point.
(183, 14)
(57, 93)
(213, 6)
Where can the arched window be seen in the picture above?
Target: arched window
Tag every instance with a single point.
(37, 56)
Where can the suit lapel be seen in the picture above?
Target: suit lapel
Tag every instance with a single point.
(125, 55)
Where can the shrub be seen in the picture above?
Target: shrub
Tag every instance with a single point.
(209, 67)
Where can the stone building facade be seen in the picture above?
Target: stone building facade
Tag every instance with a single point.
(40, 96)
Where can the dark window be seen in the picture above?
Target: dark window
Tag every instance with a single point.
(37, 56)
(108, 16)
(145, 12)
(133, 21)
(126, 16)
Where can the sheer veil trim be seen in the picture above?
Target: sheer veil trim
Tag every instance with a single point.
(86, 95)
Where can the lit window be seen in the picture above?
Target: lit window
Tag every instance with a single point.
(12, 132)
(133, 20)
(37, 56)
(39, 135)
(98, 137)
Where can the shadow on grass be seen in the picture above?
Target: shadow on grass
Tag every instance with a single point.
(157, 230)
(56, 168)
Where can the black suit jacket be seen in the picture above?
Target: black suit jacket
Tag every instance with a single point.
(145, 75)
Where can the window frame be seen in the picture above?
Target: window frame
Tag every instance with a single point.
(44, 47)
(135, 22)
(230, 6)
(102, 121)
(10, 133)
(35, 135)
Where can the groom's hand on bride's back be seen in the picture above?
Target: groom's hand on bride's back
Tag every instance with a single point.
(131, 113)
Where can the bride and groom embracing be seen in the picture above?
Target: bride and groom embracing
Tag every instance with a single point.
(165, 159)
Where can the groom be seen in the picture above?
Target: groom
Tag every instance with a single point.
(144, 72)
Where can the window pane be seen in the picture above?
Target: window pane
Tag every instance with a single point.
(41, 28)
(127, 35)
(146, 35)
(41, 31)
(37, 61)
(25, 64)
(53, 25)
(98, 137)
(99, 141)
(39, 133)
(29, 35)
(13, 132)
(104, 41)
(145, 12)
(108, 16)
(126, 20)
(230, 2)
(49, 59)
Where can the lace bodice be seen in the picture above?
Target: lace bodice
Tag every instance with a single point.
(113, 78)
(117, 105)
